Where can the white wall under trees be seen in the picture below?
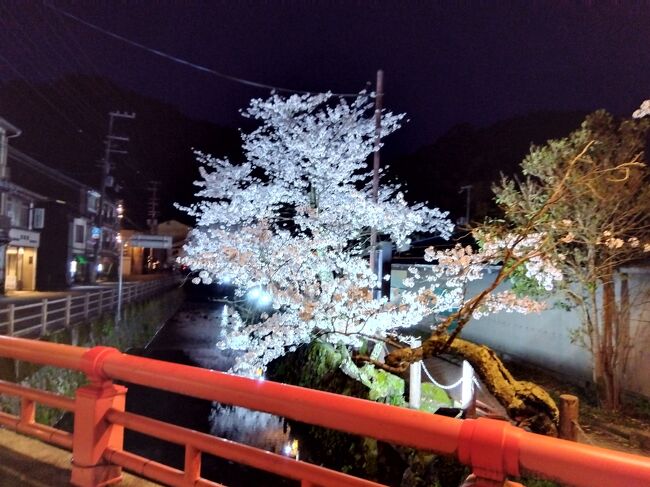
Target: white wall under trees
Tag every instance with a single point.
(545, 339)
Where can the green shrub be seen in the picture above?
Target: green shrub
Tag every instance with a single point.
(141, 322)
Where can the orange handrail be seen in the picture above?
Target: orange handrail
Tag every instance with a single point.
(44, 353)
(494, 449)
(236, 452)
(320, 408)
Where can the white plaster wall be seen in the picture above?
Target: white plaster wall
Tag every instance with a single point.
(637, 378)
(544, 339)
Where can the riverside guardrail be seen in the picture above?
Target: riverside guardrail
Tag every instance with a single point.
(38, 317)
(494, 450)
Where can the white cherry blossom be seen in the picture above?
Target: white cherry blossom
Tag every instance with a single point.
(292, 222)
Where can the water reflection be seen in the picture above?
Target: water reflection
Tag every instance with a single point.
(190, 338)
(254, 428)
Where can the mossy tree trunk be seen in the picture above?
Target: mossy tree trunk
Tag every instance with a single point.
(527, 404)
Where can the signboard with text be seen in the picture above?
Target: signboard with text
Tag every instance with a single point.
(23, 238)
(151, 241)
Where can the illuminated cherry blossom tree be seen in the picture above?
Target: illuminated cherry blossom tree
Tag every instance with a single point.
(290, 226)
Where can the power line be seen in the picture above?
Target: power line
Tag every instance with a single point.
(41, 95)
(185, 62)
(62, 25)
(58, 176)
(74, 102)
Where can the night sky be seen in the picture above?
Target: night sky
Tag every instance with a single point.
(445, 62)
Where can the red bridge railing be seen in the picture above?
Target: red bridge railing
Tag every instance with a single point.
(495, 450)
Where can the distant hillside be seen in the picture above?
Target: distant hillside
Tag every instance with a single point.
(472, 155)
(64, 124)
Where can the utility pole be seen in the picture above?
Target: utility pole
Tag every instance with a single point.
(468, 190)
(379, 96)
(152, 221)
(111, 147)
(154, 201)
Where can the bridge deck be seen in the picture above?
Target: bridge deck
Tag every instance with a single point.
(30, 463)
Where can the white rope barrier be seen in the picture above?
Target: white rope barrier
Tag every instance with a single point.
(451, 386)
(436, 383)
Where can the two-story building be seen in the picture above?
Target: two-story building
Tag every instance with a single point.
(20, 222)
(71, 236)
(48, 212)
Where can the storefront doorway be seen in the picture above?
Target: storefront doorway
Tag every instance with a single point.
(20, 269)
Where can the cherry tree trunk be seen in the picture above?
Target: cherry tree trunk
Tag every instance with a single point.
(526, 403)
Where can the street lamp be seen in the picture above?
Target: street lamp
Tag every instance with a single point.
(118, 314)
(120, 245)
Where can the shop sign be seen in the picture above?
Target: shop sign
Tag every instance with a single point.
(151, 241)
(95, 233)
(23, 238)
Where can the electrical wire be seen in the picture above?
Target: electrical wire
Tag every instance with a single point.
(71, 43)
(8, 16)
(58, 176)
(185, 62)
(65, 90)
(42, 96)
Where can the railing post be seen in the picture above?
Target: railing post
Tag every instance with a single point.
(468, 393)
(86, 305)
(11, 316)
(415, 382)
(474, 481)
(74, 334)
(68, 306)
(93, 434)
(44, 317)
(569, 411)
(192, 465)
(27, 411)
(100, 301)
(491, 449)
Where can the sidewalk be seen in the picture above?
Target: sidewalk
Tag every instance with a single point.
(28, 462)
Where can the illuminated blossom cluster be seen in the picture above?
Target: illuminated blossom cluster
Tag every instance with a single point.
(643, 110)
(613, 242)
(458, 266)
(292, 221)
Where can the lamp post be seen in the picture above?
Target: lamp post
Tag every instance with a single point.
(118, 314)
(120, 245)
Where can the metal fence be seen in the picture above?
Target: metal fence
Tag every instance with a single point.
(40, 317)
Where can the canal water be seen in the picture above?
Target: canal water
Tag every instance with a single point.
(189, 338)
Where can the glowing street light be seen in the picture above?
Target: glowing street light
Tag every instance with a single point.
(118, 314)
(260, 296)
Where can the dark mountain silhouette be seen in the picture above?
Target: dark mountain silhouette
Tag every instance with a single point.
(64, 124)
(468, 155)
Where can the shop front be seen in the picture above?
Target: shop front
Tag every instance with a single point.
(20, 260)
